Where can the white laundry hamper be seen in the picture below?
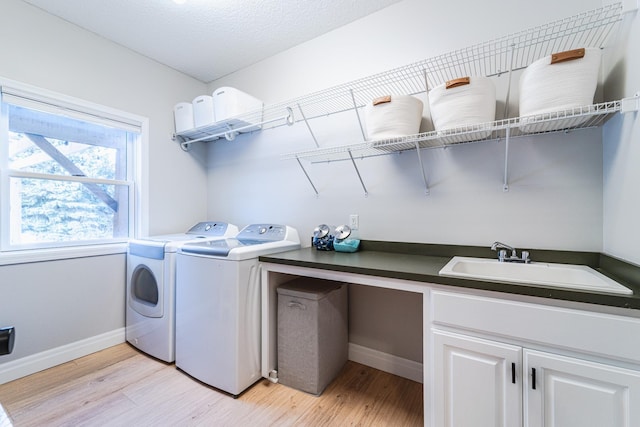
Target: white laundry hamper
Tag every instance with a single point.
(463, 109)
(555, 84)
(183, 116)
(229, 102)
(392, 116)
(203, 111)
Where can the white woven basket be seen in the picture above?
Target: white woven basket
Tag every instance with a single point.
(392, 117)
(547, 86)
(465, 105)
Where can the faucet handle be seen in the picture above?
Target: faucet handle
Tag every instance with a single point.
(525, 256)
(502, 255)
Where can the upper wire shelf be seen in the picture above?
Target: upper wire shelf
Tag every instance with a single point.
(512, 52)
(558, 121)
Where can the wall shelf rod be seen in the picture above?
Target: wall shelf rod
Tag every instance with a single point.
(308, 177)
(505, 186)
(424, 176)
(306, 122)
(355, 108)
(366, 193)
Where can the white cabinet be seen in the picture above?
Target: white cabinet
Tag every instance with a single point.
(477, 383)
(569, 392)
(498, 362)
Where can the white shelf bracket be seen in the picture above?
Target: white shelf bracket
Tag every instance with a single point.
(231, 134)
(308, 126)
(184, 146)
(366, 193)
(508, 96)
(424, 176)
(630, 105)
(307, 175)
(289, 118)
(355, 108)
(505, 186)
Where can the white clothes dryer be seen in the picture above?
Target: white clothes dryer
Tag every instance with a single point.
(151, 284)
(218, 305)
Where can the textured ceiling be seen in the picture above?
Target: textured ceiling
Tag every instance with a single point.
(208, 39)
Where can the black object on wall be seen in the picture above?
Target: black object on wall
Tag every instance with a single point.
(7, 339)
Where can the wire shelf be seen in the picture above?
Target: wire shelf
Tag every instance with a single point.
(229, 128)
(557, 121)
(502, 55)
(508, 53)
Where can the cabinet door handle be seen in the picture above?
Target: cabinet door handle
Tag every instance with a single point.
(533, 378)
(513, 373)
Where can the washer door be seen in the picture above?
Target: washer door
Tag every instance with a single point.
(145, 290)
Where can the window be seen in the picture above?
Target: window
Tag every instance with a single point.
(68, 171)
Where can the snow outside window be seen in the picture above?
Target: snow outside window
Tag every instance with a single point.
(67, 173)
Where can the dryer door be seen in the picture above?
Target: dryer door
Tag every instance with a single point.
(144, 283)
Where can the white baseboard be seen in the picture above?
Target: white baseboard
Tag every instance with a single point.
(28, 365)
(386, 362)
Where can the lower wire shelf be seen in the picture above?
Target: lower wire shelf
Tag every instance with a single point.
(556, 121)
(585, 117)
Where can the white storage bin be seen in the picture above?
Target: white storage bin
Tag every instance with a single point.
(392, 116)
(229, 102)
(549, 85)
(203, 111)
(465, 104)
(183, 116)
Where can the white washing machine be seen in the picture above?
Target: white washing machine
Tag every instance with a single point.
(218, 305)
(151, 284)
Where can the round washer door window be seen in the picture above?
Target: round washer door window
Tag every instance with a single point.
(144, 286)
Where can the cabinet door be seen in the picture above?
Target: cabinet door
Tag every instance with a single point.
(569, 392)
(477, 383)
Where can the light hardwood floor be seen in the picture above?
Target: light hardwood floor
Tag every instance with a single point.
(121, 386)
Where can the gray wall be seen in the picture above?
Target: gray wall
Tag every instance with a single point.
(60, 302)
(555, 196)
(386, 320)
(555, 200)
(55, 303)
(50, 53)
(621, 228)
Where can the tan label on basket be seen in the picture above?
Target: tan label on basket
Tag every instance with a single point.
(382, 100)
(568, 55)
(457, 82)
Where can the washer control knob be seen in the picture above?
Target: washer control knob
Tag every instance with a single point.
(207, 227)
(262, 230)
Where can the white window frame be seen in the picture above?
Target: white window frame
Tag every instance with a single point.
(138, 188)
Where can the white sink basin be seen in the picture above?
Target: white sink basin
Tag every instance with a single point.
(564, 276)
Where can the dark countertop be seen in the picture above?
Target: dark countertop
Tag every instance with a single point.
(422, 262)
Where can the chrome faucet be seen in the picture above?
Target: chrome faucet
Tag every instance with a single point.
(502, 253)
